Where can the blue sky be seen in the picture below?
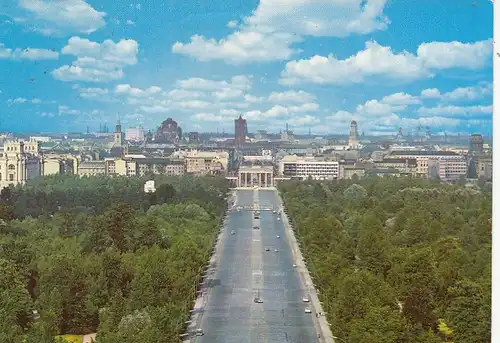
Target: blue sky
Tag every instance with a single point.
(314, 64)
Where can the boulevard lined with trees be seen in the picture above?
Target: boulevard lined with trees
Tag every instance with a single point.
(397, 260)
(99, 255)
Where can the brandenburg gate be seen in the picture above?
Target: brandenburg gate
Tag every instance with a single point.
(255, 176)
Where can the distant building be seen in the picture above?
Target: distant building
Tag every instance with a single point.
(135, 134)
(119, 147)
(168, 132)
(353, 136)
(194, 137)
(19, 162)
(484, 167)
(92, 168)
(240, 131)
(476, 143)
(303, 168)
(447, 170)
(424, 157)
(406, 166)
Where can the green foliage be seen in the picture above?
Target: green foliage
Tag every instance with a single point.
(394, 258)
(99, 255)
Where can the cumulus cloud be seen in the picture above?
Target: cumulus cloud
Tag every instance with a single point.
(275, 25)
(97, 62)
(451, 110)
(291, 97)
(381, 61)
(51, 17)
(393, 111)
(127, 89)
(460, 94)
(32, 54)
(241, 82)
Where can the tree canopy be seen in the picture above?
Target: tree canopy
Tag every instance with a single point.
(99, 255)
(397, 260)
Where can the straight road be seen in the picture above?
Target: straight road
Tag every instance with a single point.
(256, 263)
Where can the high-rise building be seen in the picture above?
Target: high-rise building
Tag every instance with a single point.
(353, 135)
(240, 131)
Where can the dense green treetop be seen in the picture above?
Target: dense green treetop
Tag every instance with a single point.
(98, 255)
(397, 260)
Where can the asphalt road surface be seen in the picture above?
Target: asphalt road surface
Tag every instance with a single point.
(246, 271)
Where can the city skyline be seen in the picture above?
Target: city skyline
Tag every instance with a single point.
(386, 64)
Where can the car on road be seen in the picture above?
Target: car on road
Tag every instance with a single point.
(274, 211)
(307, 310)
(256, 228)
(232, 232)
(305, 299)
(278, 236)
(267, 249)
(276, 250)
(279, 218)
(199, 332)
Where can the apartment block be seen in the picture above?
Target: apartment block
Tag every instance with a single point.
(308, 167)
(447, 170)
(423, 158)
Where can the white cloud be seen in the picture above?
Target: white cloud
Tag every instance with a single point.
(182, 94)
(52, 17)
(307, 107)
(384, 116)
(130, 22)
(275, 25)
(17, 101)
(97, 62)
(239, 47)
(459, 94)
(381, 61)
(194, 104)
(291, 97)
(440, 55)
(455, 110)
(126, 89)
(32, 54)
(232, 24)
(228, 93)
(400, 99)
(241, 82)
(96, 94)
(209, 117)
(252, 99)
(306, 120)
(36, 101)
(62, 109)
(430, 93)
(155, 109)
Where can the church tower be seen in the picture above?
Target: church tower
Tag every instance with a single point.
(119, 136)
